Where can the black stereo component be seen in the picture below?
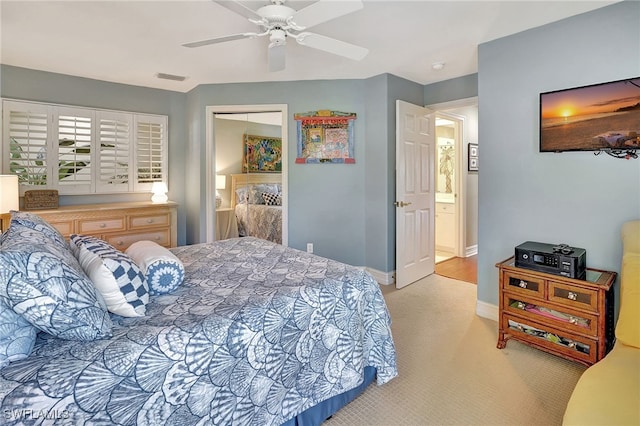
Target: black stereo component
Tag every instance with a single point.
(559, 259)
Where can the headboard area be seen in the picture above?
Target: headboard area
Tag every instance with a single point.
(244, 179)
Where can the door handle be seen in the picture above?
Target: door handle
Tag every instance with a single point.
(401, 204)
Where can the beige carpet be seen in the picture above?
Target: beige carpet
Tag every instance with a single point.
(450, 372)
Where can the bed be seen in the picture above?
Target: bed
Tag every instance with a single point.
(256, 199)
(257, 333)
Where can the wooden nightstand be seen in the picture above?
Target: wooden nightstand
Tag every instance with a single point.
(567, 317)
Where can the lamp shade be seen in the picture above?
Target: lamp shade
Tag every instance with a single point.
(9, 193)
(159, 190)
(221, 181)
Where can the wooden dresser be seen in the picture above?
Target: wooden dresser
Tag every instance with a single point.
(120, 224)
(568, 317)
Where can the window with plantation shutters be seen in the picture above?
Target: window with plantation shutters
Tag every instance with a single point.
(73, 149)
(82, 151)
(151, 162)
(115, 153)
(25, 149)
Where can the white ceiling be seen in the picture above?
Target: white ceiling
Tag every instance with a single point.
(131, 41)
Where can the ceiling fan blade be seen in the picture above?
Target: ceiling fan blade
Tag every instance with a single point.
(239, 8)
(277, 57)
(220, 39)
(323, 11)
(332, 45)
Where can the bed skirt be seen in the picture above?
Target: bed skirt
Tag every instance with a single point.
(317, 414)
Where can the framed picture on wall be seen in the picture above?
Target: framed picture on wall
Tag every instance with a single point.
(325, 136)
(473, 157)
(262, 154)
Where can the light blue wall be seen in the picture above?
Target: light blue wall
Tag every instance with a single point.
(573, 198)
(326, 201)
(381, 93)
(345, 210)
(451, 90)
(33, 85)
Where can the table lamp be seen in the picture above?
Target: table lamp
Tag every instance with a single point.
(159, 190)
(221, 183)
(8, 196)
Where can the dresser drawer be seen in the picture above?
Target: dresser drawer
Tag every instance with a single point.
(572, 296)
(96, 226)
(64, 227)
(122, 241)
(151, 220)
(523, 284)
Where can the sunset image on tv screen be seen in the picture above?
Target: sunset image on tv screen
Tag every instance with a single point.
(592, 117)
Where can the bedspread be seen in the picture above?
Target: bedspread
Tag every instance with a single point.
(256, 334)
(259, 220)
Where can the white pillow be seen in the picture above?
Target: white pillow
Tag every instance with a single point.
(114, 274)
(162, 270)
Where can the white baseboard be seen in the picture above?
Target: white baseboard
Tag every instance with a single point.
(487, 310)
(384, 278)
(471, 251)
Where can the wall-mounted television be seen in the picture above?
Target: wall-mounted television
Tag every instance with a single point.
(599, 117)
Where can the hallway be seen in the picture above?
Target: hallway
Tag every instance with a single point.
(459, 268)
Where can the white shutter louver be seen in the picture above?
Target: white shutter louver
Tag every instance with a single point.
(150, 152)
(114, 157)
(28, 146)
(74, 152)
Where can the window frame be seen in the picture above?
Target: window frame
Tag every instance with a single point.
(97, 185)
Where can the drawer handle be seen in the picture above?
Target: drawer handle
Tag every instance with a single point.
(149, 220)
(572, 345)
(573, 320)
(523, 284)
(103, 225)
(521, 305)
(157, 238)
(572, 296)
(120, 243)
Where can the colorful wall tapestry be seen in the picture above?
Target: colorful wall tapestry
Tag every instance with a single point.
(262, 154)
(325, 137)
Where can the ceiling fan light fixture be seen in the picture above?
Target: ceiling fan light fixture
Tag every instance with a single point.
(277, 37)
(280, 21)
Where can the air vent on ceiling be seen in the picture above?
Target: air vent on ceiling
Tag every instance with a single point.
(171, 77)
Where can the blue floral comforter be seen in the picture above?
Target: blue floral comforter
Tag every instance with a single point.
(256, 334)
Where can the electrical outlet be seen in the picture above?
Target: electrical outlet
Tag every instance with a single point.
(309, 247)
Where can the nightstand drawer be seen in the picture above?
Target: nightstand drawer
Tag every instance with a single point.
(554, 340)
(524, 284)
(94, 226)
(582, 322)
(572, 296)
(121, 242)
(146, 221)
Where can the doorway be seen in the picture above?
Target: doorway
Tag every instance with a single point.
(448, 171)
(229, 147)
(463, 115)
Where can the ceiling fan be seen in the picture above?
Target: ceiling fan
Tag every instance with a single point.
(280, 22)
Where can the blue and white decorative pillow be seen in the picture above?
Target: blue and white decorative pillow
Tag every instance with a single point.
(163, 271)
(44, 284)
(35, 222)
(17, 336)
(272, 198)
(114, 274)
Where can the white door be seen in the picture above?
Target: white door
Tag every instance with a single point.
(415, 193)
